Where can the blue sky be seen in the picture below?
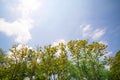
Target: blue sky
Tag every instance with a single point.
(42, 22)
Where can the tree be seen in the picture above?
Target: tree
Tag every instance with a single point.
(76, 60)
(115, 67)
(86, 57)
(3, 64)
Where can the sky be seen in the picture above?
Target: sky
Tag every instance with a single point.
(43, 22)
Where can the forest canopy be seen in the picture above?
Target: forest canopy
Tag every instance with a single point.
(75, 60)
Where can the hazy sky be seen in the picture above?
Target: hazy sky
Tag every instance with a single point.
(42, 22)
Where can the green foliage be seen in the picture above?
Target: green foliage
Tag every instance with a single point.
(115, 67)
(76, 60)
(87, 59)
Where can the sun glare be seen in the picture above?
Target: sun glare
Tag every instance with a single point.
(28, 6)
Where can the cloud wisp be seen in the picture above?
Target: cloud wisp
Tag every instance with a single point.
(89, 32)
(20, 28)
(98, 33)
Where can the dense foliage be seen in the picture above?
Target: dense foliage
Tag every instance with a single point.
(75, 60)
(115, 67)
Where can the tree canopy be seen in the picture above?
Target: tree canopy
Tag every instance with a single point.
(75, 60)
(115, 67)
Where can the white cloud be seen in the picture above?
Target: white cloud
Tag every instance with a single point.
(85, 28)
(20, 28)
(103, 42)
(90, 32)
(98, 33)
(27, 7)
(56, 43)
